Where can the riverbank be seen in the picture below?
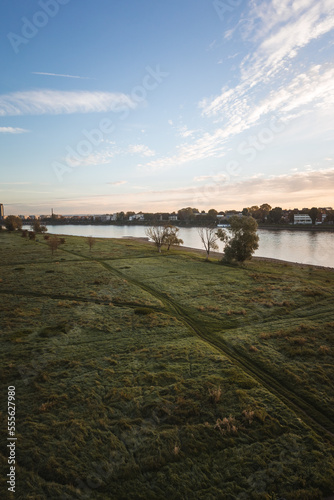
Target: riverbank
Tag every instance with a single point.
(306, 247)
(219, 255)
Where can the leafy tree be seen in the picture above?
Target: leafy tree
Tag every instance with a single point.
(209, 238)
(212, 213)
(171, 236)
(37, 228)
(264, 211)
(244, 240)
(12, 222)
(90, 242)
(275, 215)
(314, 213)
(158, 235)
(187, 214)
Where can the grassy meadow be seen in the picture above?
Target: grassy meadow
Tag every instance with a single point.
(150, 376)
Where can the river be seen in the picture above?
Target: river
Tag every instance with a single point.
(305, 247)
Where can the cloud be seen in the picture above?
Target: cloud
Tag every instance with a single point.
(117, 183)
(12, 130)
(64, 76)
(185, 132)
(306, 188)
(40, 102)
(90, 160)
(269, 86)
(141, 149)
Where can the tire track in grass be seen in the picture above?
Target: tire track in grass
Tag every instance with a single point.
(105, 302)
(310, 415)
(304, 410)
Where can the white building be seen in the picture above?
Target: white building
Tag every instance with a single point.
(302, 219)
(137, 217)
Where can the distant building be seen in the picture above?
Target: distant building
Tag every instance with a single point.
(229, 215)
(302, 219)
(105, 218)
(139, 217)
(2, 212)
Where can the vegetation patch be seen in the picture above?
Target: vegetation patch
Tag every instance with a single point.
(141, 375)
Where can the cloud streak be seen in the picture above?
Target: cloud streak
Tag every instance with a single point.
(63, 76)
(12, 130)
(54, 102)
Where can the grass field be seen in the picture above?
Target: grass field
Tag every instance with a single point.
(141, 375)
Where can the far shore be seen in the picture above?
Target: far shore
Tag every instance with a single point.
(273, 227)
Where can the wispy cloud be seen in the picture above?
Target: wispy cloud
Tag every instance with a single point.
(141, 149)
(12, 130)
(40, 102)
(63, 76)
(269, 86)
(102, 157)
(117, 183)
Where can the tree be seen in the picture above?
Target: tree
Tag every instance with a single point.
(37, 228)
(12, 222)
(158, 235)
(171, 236)
(275, 215)
(208, 237)
(90, 242)
(314, 213)
(53, 243)
(187, 214)
(244, 240)
(264, 211)
(212, 213)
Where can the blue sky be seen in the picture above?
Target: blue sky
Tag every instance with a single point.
(154, 105)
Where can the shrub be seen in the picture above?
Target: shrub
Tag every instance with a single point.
(215, 394)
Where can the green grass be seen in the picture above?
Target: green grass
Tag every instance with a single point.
(147, 376)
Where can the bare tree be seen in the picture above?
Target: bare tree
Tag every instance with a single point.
(158, 235)
(91, 242)
(53, 243)
(208, 237)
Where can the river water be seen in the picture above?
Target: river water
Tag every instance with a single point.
(305, 247)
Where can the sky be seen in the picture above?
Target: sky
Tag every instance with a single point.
(109, 106)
